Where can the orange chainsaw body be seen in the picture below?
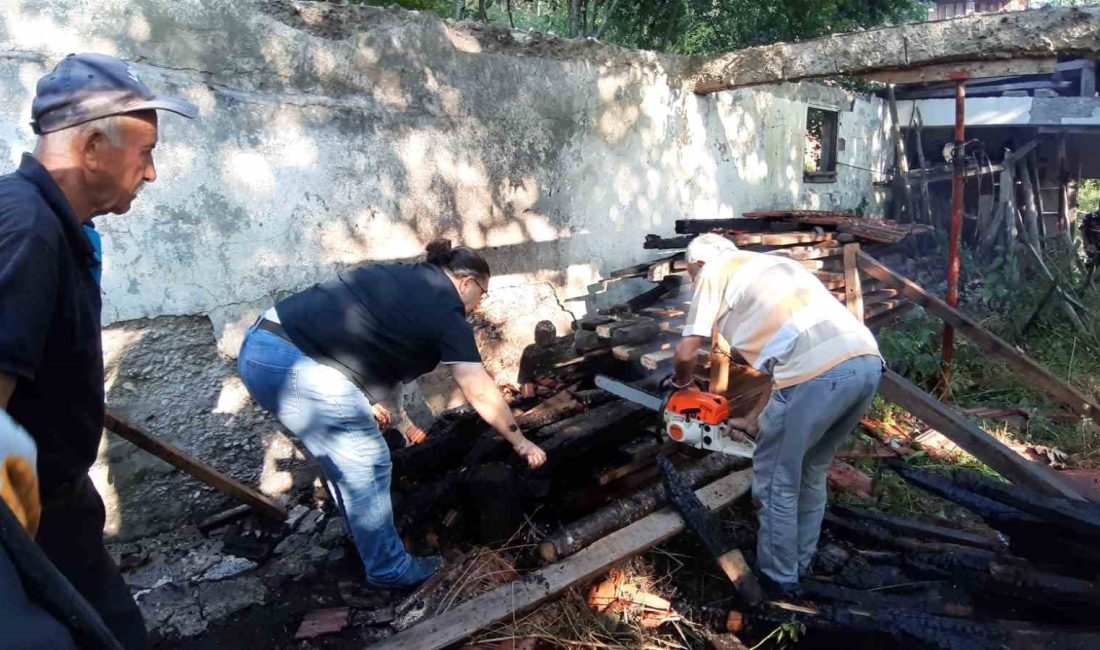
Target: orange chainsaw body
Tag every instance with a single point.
(707, 408)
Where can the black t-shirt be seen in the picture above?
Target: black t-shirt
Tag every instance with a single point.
(381, 324)
(50, 324)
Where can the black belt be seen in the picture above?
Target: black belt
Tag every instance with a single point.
(274, 328)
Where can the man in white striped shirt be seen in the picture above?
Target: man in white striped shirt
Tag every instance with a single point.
(825, 367)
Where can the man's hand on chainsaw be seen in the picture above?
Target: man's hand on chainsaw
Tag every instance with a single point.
(668, 385)
(749, 424)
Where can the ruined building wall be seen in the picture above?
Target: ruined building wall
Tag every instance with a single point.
(330, 136)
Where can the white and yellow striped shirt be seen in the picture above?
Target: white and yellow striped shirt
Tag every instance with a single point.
(776, 315)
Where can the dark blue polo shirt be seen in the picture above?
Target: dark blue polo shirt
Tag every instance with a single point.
(382, 324)
(50, 323)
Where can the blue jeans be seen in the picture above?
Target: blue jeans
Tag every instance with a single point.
(332, 418)
(801, 429)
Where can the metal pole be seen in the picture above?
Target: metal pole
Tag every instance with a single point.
(957, 186)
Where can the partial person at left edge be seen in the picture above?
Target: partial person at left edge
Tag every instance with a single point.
(96, 124)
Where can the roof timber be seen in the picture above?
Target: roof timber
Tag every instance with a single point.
(1020, 35)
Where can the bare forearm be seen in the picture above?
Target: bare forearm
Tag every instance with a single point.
(685, 359)
(483, 396)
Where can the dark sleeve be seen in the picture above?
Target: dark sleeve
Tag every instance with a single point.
(28, 290)
(456, 341)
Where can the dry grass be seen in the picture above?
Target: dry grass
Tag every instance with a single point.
(567, 622)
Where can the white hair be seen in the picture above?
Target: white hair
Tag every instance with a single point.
(709, 248)
(59, 143)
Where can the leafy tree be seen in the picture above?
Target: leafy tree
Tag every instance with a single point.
(682, 26)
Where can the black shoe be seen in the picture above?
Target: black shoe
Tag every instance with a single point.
(780, 590)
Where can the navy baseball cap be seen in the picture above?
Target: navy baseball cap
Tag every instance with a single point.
(86, 87)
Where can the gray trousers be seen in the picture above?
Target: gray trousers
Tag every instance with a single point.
(801, 429)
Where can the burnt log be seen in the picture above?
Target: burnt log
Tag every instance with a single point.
(493, 493)
(1043, 596)
(1082, 517)
(603, 425)
(924, 602)
(459, 432)
(875, 628)
(571, 538)
(921, 530)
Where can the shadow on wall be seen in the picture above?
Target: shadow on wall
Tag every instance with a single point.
(335, 135)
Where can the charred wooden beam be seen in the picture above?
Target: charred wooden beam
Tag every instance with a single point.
(1082, 517)
(830, 593)
(571, 538)
(878, 628)
(920, 529)
(708, 529)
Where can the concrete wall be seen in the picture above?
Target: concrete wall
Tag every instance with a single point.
(330, 136)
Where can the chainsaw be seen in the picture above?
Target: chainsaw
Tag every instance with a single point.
(691, 416)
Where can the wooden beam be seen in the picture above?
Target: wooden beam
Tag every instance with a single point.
(1030, 371)
(901, 161)
(1012, 158)
(522, 595)
(193, 466)
(979, 37)
(972, 438)
(972, 70)
(853, 295)
(1088, 78)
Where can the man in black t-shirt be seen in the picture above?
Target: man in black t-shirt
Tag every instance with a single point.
(97, 127)
(322, 359)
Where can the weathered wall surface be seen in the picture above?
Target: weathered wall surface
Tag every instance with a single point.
(330, 136)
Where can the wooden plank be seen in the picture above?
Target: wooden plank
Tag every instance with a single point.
(1011, 158)
(853, 295)
(1035, 374)
(886, 320)
(925, 199)
(786, 238)
(901, 160)
(882, 307)
(193, 466)
(1088, 78)
(591, 562)
(819, 251)
(972, 438)
(973, 70)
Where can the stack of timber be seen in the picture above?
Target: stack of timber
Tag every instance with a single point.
(818, 240)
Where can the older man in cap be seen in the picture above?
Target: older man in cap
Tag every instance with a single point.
(97, 126)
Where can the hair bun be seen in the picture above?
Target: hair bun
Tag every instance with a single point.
(440, 252)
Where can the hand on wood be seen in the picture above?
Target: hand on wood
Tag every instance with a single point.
(381, 415)
(532, 453)
(414, 434)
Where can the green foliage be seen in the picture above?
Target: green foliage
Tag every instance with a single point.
(1088, 195)
(783, 636)
(681, 26)
(1001, 283)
